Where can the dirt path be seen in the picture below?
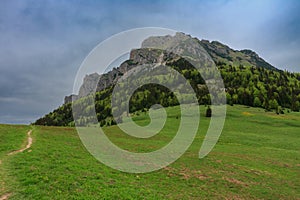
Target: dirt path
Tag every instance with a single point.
(29, 143)
(5, 197)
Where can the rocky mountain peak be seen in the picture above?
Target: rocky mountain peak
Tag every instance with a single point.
(165, 42)
(159, 49)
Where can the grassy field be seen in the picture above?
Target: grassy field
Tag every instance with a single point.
(257, 157)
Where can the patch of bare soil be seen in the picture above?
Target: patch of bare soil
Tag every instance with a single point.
(235, 181)
(5, 196)
(186, 173)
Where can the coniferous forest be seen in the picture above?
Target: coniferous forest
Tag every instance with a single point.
(274, 90)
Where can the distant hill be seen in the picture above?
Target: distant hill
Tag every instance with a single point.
(249, 80)
(219, 52)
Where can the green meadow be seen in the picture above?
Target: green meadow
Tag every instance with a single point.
(256, 157)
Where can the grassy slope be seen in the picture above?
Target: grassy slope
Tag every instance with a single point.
(12, 138)
(257, 156)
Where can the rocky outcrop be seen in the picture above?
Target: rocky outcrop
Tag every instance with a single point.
(222, 53)
(89, 83)
(163, 49)
(100, 82)
(256, 60)
(70, 98)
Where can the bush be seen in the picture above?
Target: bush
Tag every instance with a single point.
(208, 112)
(257, 102)
(102, 123)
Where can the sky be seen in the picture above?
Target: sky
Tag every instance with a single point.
(43, 43)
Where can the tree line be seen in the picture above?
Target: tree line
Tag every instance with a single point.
(277, 91)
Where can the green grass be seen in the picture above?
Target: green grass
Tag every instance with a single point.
(257, 157)
(12, 137)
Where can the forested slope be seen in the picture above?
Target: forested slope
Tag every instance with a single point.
(277, 91)
(248, 80)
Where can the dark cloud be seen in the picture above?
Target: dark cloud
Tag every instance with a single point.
(42, 43)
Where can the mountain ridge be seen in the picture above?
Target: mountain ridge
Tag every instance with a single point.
(220, 53)
(248, 80)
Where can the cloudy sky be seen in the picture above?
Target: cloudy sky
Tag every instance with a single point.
(42, 43)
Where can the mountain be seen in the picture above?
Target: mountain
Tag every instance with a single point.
(219, 52)
(222, 53)
(248, 79)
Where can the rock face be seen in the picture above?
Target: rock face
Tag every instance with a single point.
(100, 82)
(222, 53)
(255, 59)
(70, 98)
(162, 49)
(88, 85)
(165, 42)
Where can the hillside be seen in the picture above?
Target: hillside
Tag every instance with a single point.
(248, 79)
(257, 157)
(219, 52)
(222, 53)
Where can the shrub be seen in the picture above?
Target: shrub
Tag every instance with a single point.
(208, 112)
